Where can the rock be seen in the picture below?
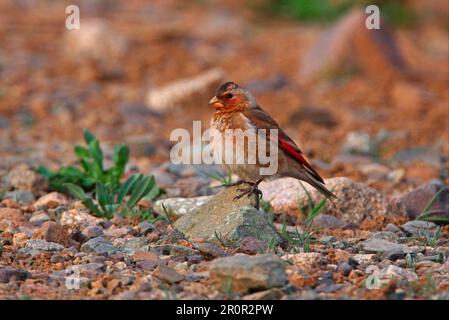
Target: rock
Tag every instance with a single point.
(77, 219)
(385, 235)
(229, 219)
(21, 196)
(180, 206)
(429, 155)
(22, 177)
(8, 274)
(353, 204)
(347, 43)
(19, 239)
(39, 218)
(52, 232)
(252, 245)
(13, 216)
(92, 232)
(375, 171)
(248, 273)
(99, 245)
(345, 268)
(380, 245)
(130, 245)
(143, 256)
(51, 200)
(421, 228)
(328, 222)
(272, 294)
(305, 260)
(210, 251)
(363, 258)
(175, 94)
(393, 254)
(37, 246)
(393, 271)
(118, 232)
(393, 228)
(167, 274)
(359, 143)
(416, 200)
(146, 227)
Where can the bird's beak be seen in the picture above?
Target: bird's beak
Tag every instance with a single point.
(214, 102)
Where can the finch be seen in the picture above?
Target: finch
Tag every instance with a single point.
(236, 108)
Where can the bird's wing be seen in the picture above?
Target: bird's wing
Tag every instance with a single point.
(261, 120)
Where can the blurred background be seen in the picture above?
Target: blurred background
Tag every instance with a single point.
(368, 104)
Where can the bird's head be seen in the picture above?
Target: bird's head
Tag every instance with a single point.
(231, 97)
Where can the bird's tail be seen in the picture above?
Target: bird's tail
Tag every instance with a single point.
(319, 186)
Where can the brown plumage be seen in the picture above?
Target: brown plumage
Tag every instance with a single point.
(236, 108)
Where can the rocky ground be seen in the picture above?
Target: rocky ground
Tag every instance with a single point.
(377, 133)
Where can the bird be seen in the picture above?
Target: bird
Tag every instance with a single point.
(236, 108)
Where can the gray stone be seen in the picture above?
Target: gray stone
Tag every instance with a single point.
(229, 219)
(42, 245)
(39, 218)
(211, 251)
(99, 245)
(8, 273)
(381, 245)
(92, 232)
(131, 245)
(421, 228)
(180, 206)
(393, 254)
(146, 227)
(21, 196)
(359, 143)
(328, 222)
(385, 235)
(248, 273)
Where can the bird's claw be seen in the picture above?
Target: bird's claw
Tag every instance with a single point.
(252, 189)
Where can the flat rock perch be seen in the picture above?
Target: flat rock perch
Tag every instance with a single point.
(231, 220)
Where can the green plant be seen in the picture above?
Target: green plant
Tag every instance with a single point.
(109, 199)
(312, 209)
(428, 215)
(91, 170)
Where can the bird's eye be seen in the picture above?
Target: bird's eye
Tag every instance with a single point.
(228, 96)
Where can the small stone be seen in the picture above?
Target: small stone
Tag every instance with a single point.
(143, 256)
(328, 222)
(52, 232)
(359, 143)
(52, 200)
(305, 260)
(19, 239)
(393, 228)
(210, 251)
(92, 232)
(393, 254)
(146, 227)
(39, 218)
(117, 232)
(248, 273)
(42, 245)
(364, 259)
(252, 245)
(167, 274)
(385, 235)
(147, 265)
(345, 268)
(20, 196)
(8, 274)
(99, 245)
(393, 271)
(380, 245)
(130, 245)
(271, 294)
(416, 200)
(11, 216)
(421, 228)
(23, 177)
(78, 219)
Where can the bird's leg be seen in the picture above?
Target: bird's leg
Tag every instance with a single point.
(237, 183)
(252, 189)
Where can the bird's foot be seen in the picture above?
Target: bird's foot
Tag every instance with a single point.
(253, 188)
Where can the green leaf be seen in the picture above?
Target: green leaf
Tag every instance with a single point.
(44, 171)
(81, 152)
(88, 136)
(76, 191)
(126, 187)
(141, 190)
